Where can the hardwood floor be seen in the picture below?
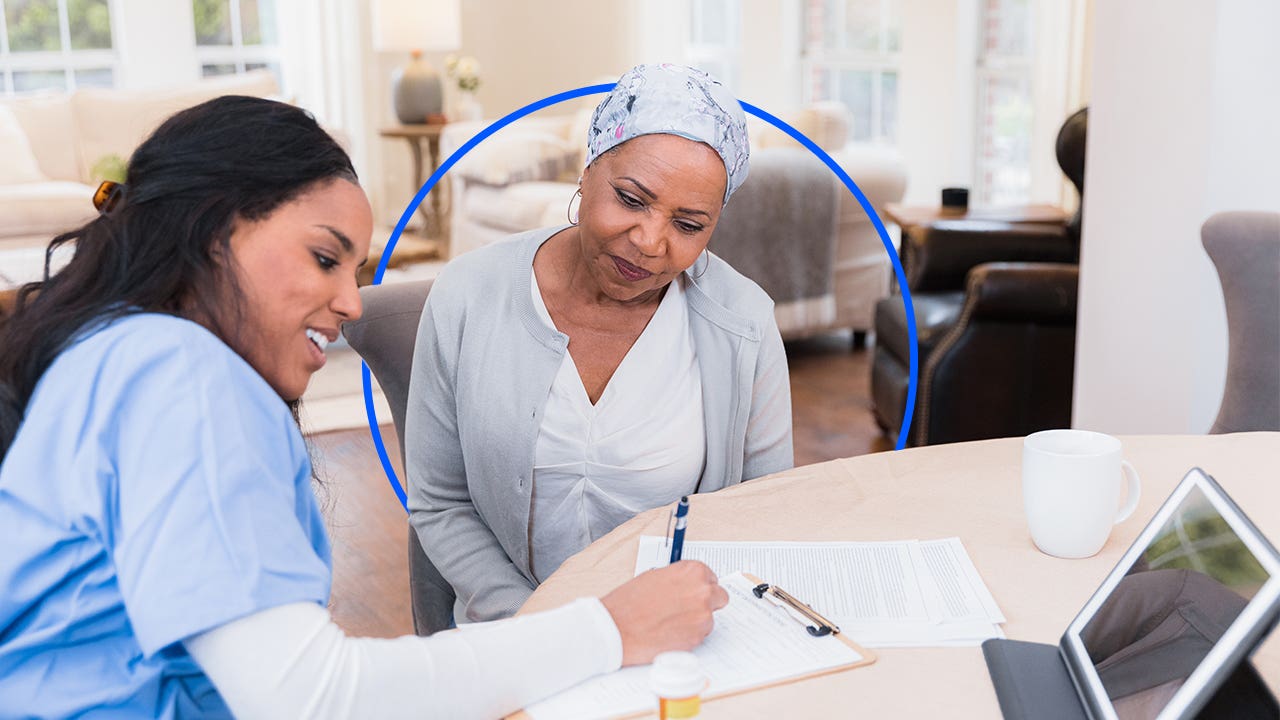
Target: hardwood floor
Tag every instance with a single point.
(831, 410)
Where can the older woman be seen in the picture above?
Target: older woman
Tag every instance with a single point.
(571, 377)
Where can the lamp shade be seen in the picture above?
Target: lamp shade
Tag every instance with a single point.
(407, 25)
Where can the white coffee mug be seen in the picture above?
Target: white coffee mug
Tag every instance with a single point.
(1071, 489)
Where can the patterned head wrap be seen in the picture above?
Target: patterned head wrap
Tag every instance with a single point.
(673, 100)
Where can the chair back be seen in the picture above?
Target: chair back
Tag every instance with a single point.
(385, 336)
(1069, 148)
(1245, 247)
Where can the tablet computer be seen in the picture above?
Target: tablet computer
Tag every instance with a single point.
(1173, 623)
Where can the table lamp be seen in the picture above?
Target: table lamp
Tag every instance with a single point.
(414, 26)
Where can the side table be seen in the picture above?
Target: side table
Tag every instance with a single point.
(909, 218)
(434, 224)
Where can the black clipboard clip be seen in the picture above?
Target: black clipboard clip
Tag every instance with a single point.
(802, 613)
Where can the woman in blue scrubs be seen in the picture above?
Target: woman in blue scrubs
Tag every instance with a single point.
(163, 552)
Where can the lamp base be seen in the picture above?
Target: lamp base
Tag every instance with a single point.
(416, 92)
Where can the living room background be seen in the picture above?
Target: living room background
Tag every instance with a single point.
(997, 70)
(1177, 134)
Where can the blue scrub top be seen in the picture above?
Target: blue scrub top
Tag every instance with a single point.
(157, 488)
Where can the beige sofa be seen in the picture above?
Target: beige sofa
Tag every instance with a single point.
(524, 175)
(68, 134)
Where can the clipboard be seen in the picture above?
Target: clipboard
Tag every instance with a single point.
(776, 624)
(868, 657)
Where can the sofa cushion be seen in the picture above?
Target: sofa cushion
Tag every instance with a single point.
(878, 172)
(51, 132)
(579, 128)
(114, 122)
(517, 156)
(825, 123)
(44, 208)
(19, 164)
(519, 207)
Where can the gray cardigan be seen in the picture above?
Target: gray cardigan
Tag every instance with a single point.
(482, 371)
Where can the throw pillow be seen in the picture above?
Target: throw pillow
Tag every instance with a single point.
(517, 157)
(19, 164)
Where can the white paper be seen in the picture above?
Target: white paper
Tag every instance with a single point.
(957, 583)
(754, 642)
(882, 594)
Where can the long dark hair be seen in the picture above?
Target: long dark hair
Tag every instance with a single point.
(159, 248)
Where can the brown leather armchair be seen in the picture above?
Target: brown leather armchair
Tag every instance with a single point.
(995, 311)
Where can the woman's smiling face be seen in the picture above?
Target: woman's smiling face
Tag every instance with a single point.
(649, 207)
(297, 271)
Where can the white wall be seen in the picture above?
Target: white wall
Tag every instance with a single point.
(1184, 122)
(769, 67)
(935, 96)
(151, 59)
(530, 50)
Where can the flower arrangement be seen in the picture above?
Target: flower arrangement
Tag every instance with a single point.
(464, 71)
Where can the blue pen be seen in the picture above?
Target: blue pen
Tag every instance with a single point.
(682, 517)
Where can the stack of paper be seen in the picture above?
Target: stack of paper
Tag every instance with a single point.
(882, 594)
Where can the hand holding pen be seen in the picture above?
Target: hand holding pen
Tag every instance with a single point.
(669, 608)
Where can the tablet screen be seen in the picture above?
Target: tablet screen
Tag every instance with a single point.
(1195, 576)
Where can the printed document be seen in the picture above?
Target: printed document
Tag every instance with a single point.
(882, 594)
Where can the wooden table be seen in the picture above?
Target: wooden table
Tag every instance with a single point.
(907, 216)
(910, 218)
(415, 135)
(970, 490)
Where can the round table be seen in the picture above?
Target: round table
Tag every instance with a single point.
(969, 490)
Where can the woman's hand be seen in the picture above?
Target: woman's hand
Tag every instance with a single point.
(665, 609)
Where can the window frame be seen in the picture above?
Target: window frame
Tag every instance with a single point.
(699, 53)
(65, 60)
(237, 53)
(819, 58)
(990, 67)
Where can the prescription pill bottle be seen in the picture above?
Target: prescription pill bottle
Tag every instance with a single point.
(678, 682)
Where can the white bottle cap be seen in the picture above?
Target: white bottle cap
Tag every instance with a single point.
(676, 675)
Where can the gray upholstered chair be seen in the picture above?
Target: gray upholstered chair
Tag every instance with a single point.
(1245, 247)
(385, 336)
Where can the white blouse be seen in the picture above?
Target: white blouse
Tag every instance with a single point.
(642, 445)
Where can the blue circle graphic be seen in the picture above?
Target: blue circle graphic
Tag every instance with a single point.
(480, 137)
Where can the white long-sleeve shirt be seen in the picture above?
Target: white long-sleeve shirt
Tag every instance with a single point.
(292, 661)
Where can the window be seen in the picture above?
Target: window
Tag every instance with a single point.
(851, 52)
(235, 36)
(1002, 169)
(55, 45)
(714, 29)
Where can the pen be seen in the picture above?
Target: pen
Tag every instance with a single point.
(682, 517)
(798, 610)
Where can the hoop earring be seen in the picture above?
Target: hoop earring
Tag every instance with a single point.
(706, 256)
(568, 211)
